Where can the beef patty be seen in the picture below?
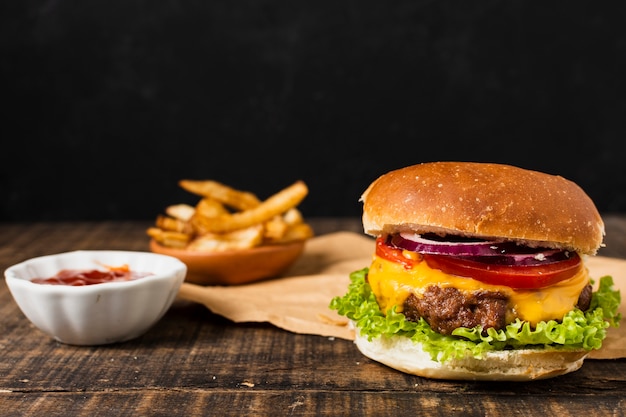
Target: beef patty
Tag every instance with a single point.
(445, 309)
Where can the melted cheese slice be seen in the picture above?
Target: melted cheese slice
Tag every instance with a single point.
(392, 284)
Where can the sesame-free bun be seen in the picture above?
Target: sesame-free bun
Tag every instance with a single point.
(403, 354)
(484, 200)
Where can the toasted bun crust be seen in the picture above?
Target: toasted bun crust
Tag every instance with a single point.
(510, 365)
(485, 200)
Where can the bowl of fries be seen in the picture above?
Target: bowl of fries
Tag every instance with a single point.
(231, 237)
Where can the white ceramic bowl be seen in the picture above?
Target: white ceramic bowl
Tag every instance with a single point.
(96, 314)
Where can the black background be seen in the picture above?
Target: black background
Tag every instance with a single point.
(107, 104)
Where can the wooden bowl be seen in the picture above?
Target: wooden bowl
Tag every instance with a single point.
(237, 266)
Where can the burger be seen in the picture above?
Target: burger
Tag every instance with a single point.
(479, 274)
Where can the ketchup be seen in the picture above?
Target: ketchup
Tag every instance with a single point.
(79, 277)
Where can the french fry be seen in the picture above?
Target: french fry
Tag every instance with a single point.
(287, 227)
(276, 204)
(209, 207)
(239, 200)
(301, 231)
(180, 211)
(173, 224)
(293, 216)
(238, 239)
(229, 219)
(275, 228)
(169, 238)
(206, 208)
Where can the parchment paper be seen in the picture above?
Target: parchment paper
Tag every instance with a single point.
(298, 301)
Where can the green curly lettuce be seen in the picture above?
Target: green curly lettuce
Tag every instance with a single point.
(577, 330)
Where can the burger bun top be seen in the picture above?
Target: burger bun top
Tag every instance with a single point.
(484, 200)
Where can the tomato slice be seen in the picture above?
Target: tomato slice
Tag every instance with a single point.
(514, 276)
(394, 254)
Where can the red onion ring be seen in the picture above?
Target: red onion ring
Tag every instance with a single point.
(488, 251)
(457, 247)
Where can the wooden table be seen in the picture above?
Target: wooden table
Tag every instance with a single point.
(194, 362)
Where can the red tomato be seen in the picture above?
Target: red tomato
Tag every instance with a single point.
(393, 254)
(514, 276)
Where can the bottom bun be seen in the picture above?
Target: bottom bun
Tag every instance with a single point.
(510, 365)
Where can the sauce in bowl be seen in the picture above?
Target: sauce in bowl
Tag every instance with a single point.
(80, 277)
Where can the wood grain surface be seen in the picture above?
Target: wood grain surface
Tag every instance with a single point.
(193, 362)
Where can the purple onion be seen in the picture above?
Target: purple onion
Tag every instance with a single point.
(489, 251)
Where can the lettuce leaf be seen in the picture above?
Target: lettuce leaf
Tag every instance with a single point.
(577, 329)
